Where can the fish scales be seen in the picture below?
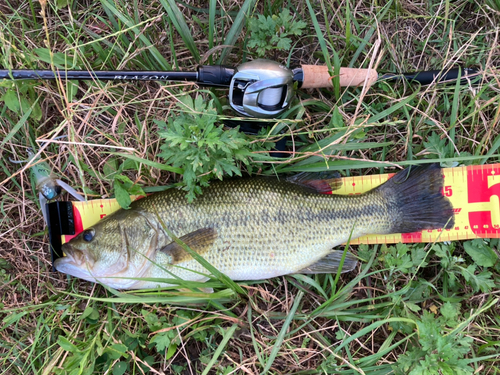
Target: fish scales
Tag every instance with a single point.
(253, 228)
(266, 227)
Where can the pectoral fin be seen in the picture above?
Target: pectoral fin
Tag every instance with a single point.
(330, 263)
(200, 241)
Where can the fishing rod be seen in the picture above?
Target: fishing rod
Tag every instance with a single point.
(260, 88)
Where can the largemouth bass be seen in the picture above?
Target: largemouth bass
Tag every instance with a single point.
(251, 229)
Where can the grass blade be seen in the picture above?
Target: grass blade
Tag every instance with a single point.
(454, 108)
(235, 30)
(282, 334)
(149, 163)
(19, 124)
(370, 328)
(369, 33)
(384, 114)
(177, 18)
(492, 150)
(337, 165)
(225, 339)
(326, 55)
(172, 298)
(151, 48)
(473, 316)
(211, 27)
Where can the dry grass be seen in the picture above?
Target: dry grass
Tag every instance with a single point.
(105, 117)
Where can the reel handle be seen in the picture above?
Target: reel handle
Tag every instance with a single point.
(317, 76)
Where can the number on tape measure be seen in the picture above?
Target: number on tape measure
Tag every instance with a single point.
(482, 189)
(447, 191)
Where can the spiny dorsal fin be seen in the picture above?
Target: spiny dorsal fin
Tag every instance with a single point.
(319, 182)
(200, 241)
(330, 263)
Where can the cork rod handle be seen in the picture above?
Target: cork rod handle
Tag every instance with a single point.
(316, 76)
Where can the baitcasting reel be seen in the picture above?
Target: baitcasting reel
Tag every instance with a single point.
(261, 88)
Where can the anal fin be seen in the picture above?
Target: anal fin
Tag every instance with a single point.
(331, 263)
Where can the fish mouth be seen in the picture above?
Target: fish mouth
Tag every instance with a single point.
(74, 263)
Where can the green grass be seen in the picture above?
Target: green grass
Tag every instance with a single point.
(407, 309)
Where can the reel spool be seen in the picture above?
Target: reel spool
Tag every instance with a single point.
(261, 88)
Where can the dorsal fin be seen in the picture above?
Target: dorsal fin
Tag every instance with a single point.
(319, 182)
(200, 240)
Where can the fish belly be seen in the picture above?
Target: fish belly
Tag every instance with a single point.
(244, 253)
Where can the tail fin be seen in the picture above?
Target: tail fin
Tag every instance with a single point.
(416, 201)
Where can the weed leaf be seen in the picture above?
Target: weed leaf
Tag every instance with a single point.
(119, 368)
(11, 101)
(480, 253)
(121, 194)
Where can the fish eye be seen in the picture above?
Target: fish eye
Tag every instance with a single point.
(88, 235)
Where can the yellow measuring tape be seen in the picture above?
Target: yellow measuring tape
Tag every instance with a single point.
(474, 192)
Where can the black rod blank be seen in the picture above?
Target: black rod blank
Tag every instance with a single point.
(428, 77)
(103, 75)
(207, 75)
